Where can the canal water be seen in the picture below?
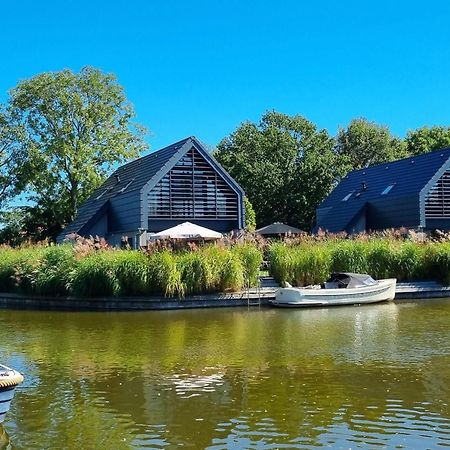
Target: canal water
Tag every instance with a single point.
(349, 377)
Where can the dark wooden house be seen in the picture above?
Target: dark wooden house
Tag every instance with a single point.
(412, 193)
(179, 183)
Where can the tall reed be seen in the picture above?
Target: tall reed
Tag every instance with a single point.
(164, 275)
(52, 275)
(251, 259)
(95, 276)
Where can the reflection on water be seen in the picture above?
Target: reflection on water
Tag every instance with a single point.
(4, 439)
(359, 377)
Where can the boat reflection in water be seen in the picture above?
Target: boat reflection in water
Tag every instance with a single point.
(9, 379)
(4, 439)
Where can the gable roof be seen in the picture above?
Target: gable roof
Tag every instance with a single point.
(142, 173)
(406, 176)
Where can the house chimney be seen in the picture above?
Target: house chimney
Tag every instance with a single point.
(363, 186)
(117, 179)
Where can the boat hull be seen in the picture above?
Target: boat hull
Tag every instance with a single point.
(9, 379)
(6, 396)
(384, 290)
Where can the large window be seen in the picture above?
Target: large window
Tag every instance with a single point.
(193, 189)
(437, 202)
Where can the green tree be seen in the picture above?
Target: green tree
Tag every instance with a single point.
(365, 143)
(12, 156)
(427, 139)
(285, 165)
(250, 215)
(76, 126)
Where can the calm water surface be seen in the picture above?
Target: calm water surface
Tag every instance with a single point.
(349, 377)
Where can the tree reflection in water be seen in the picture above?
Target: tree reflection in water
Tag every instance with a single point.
(4, 439)
(231, 378)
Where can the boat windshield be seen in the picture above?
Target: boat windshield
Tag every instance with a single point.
(345, 280)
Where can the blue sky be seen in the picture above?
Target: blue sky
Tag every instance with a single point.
(203, 67)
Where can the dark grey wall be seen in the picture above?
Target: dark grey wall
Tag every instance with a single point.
(440, 224)
(125, 212)
(359, 224)
(393, 212)
(99, 227)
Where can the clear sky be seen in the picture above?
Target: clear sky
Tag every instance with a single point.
(203, 67)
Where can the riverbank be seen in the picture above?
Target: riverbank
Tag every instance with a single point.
(79, 273)
(251, 298)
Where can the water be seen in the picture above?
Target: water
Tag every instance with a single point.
(349, 377)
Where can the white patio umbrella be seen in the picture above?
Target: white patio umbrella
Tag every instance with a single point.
(187, 230)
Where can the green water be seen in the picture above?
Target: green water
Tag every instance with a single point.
(349, 377)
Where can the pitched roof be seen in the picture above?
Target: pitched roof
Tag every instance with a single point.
(131, 176)
(406, 176)
(278, 228)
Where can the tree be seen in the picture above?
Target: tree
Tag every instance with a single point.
(75, 127)
(427, 139)
(365, 143)
(285, 165)
(12, 156)
(250, 215)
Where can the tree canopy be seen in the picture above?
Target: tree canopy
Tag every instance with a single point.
(427, 139)
(364, 143)
(285, 165)
(73, 128)
(12, 156)
(62, 132)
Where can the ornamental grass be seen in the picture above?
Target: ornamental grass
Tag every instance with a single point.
(98, 271)
(312, 263)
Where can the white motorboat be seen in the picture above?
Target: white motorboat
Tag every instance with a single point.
(9, 379)
(341, 289)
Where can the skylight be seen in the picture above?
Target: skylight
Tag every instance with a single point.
(347, 197)
(103, 193)
(126, 186)
(388, 189)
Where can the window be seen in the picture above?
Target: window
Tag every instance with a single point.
(347, 197)
(103, 193)
(388, 189)
(126, 186)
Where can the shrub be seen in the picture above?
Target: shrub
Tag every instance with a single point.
(9, 258)
(406, 261)
(95, 276)
(232, 273)
(26, 267)
(164, 275)
(196, 272)
(131, 272)
(311, 265)
(251, 259)
(380, 258)
(436, 262)
(52, 275)
(349, 256)
(280, 262)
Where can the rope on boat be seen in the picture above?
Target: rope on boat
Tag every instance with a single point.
(10, 378)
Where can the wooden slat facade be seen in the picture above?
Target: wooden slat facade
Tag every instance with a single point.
(193, 189)
(437, 202)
